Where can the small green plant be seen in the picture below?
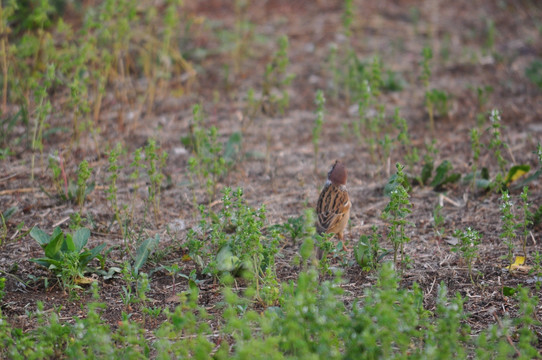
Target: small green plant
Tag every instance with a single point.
(294, 227)
(211, 159)
(274, 93)
(437, 103)
(435, 100)
(317, 128)
(527, 219)
(368, 252)
(137, 165)
(438, 221)
(43, 108)
(76, 221)
(156, 161)
(496, 145)
(386, 145)
(482, 97)
(66, 188)
(410, 152)
(143, 251)
(83, 188)
(533, 72)
(348, 17)
(475, 145)
(233, 241)
(396, 211)
(508, 233)
(65, 254)
(425, 76)
(537, 269)
(490, 32)
(428, 163)
(469, 239)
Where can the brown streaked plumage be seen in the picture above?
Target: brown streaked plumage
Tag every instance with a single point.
(333, 207)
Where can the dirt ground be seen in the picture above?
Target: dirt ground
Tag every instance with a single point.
(285, 181)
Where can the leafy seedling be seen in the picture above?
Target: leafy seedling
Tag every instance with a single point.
(443, 176)
(65, 254)
(143, 252)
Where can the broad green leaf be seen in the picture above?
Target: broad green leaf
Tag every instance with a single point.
(143, 252)
(9, 212)
(233, 147)
(393, 183)
(452, 178)
(40, 236)
(47, 262)
(68, 245)
(427, 170)
(441, 172)
(508, 291)
(80, 238)
(52, 249)
(483, 183)
(88, 255)
(361, 251)
(516, 172)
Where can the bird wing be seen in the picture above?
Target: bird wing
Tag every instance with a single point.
(333, 205)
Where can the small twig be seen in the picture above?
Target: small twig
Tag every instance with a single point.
(8, 177)
(61, 222)
(511, 155)
(15, 191)
(453, 202)
(433, 284)
(507, 336)
(17, 279)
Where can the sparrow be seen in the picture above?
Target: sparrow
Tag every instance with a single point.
(333, 207)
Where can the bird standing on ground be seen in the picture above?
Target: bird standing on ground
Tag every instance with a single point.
(333, 207)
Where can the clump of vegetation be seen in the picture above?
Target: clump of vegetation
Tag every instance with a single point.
(211, 159)
(469, 239)
(275, 96)
(66, 188)
(65, 254)
(156, 161)
(396, 211)
(233, 241)
(368, 251)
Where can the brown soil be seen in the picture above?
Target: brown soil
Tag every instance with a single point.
(286, 182)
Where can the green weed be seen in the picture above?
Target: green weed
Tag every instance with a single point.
(65, 254)
(396, 211)
(438, 221)
(156, 161)
(211, 160)
(368, 252)
(508, 233)
(469, 239)
(233, 241)
(274, 93)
